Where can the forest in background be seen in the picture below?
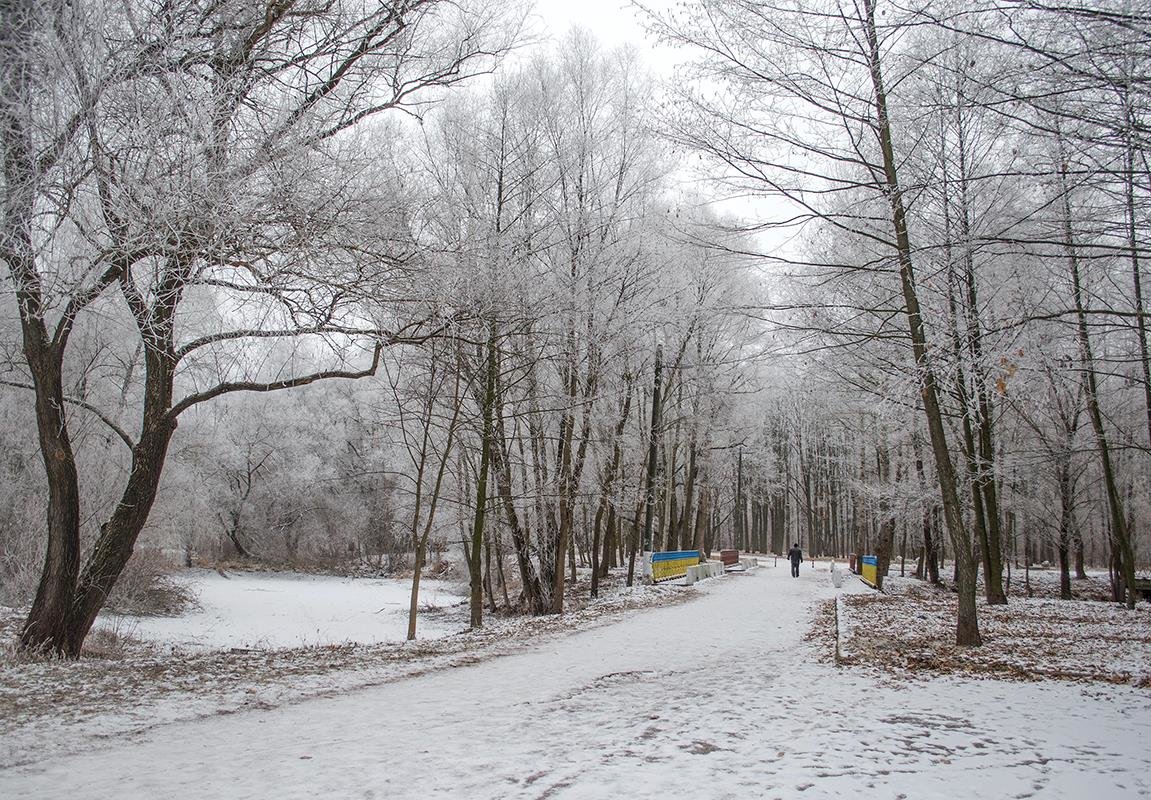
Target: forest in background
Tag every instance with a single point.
(401, 276)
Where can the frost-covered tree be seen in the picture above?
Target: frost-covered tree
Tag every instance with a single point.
(202, 177)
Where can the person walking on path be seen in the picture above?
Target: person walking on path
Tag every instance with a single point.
(796, 557)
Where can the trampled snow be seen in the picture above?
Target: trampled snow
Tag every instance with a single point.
(270, 610)
(719, 697)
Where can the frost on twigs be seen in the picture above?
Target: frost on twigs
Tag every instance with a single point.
(911, 631)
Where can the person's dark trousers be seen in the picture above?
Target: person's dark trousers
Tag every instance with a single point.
(795, 570)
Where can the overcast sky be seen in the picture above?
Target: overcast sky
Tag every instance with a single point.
(613, 22)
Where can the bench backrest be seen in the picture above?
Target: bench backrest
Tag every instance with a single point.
(672, 564)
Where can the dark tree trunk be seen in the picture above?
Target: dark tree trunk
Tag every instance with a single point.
(1080, 570)
(488, 574)
(118, 535)
(610, 542)
(529, 579)
(886, 540)
(1124, 551)
(967, 624)
(652, 457)
(487, 446)
(699, 536)
(46, 627)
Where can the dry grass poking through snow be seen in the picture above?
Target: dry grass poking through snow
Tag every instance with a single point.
(911, 629)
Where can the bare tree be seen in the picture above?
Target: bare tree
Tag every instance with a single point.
(826, 66)
(187, 161)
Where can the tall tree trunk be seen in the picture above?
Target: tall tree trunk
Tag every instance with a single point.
(634, 541)
(611, 544)
(1133, 247)
(45, 627)
(500, 570)
(1063, 551)
(488, 574)
(1080, 570)
(701, 515)
(571, 470)
(886, 540)
(1120, 535)
(967, 624)
(607, 480)
(737, 515)
(433, 503)
(422, 543)
(566, 498)
(983, 454)
(487, 445)
(684, 525)
(652, 454)
(530, 580)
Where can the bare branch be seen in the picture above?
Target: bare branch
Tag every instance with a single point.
(275, 386)
(120, 432)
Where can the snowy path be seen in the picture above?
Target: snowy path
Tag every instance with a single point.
(716, 698)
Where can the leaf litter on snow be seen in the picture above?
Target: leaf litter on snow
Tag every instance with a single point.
(910, 629)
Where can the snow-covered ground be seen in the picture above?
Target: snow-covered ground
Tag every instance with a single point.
(911, 626)
(271, 610)
(720, 697)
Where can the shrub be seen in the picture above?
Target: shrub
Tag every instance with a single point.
(148, 588)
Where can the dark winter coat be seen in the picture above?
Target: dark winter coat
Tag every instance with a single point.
(796, 556)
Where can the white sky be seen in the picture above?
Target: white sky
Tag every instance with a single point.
(614, 23)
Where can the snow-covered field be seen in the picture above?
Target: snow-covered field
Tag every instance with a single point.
(273, 610)
(720, 697)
